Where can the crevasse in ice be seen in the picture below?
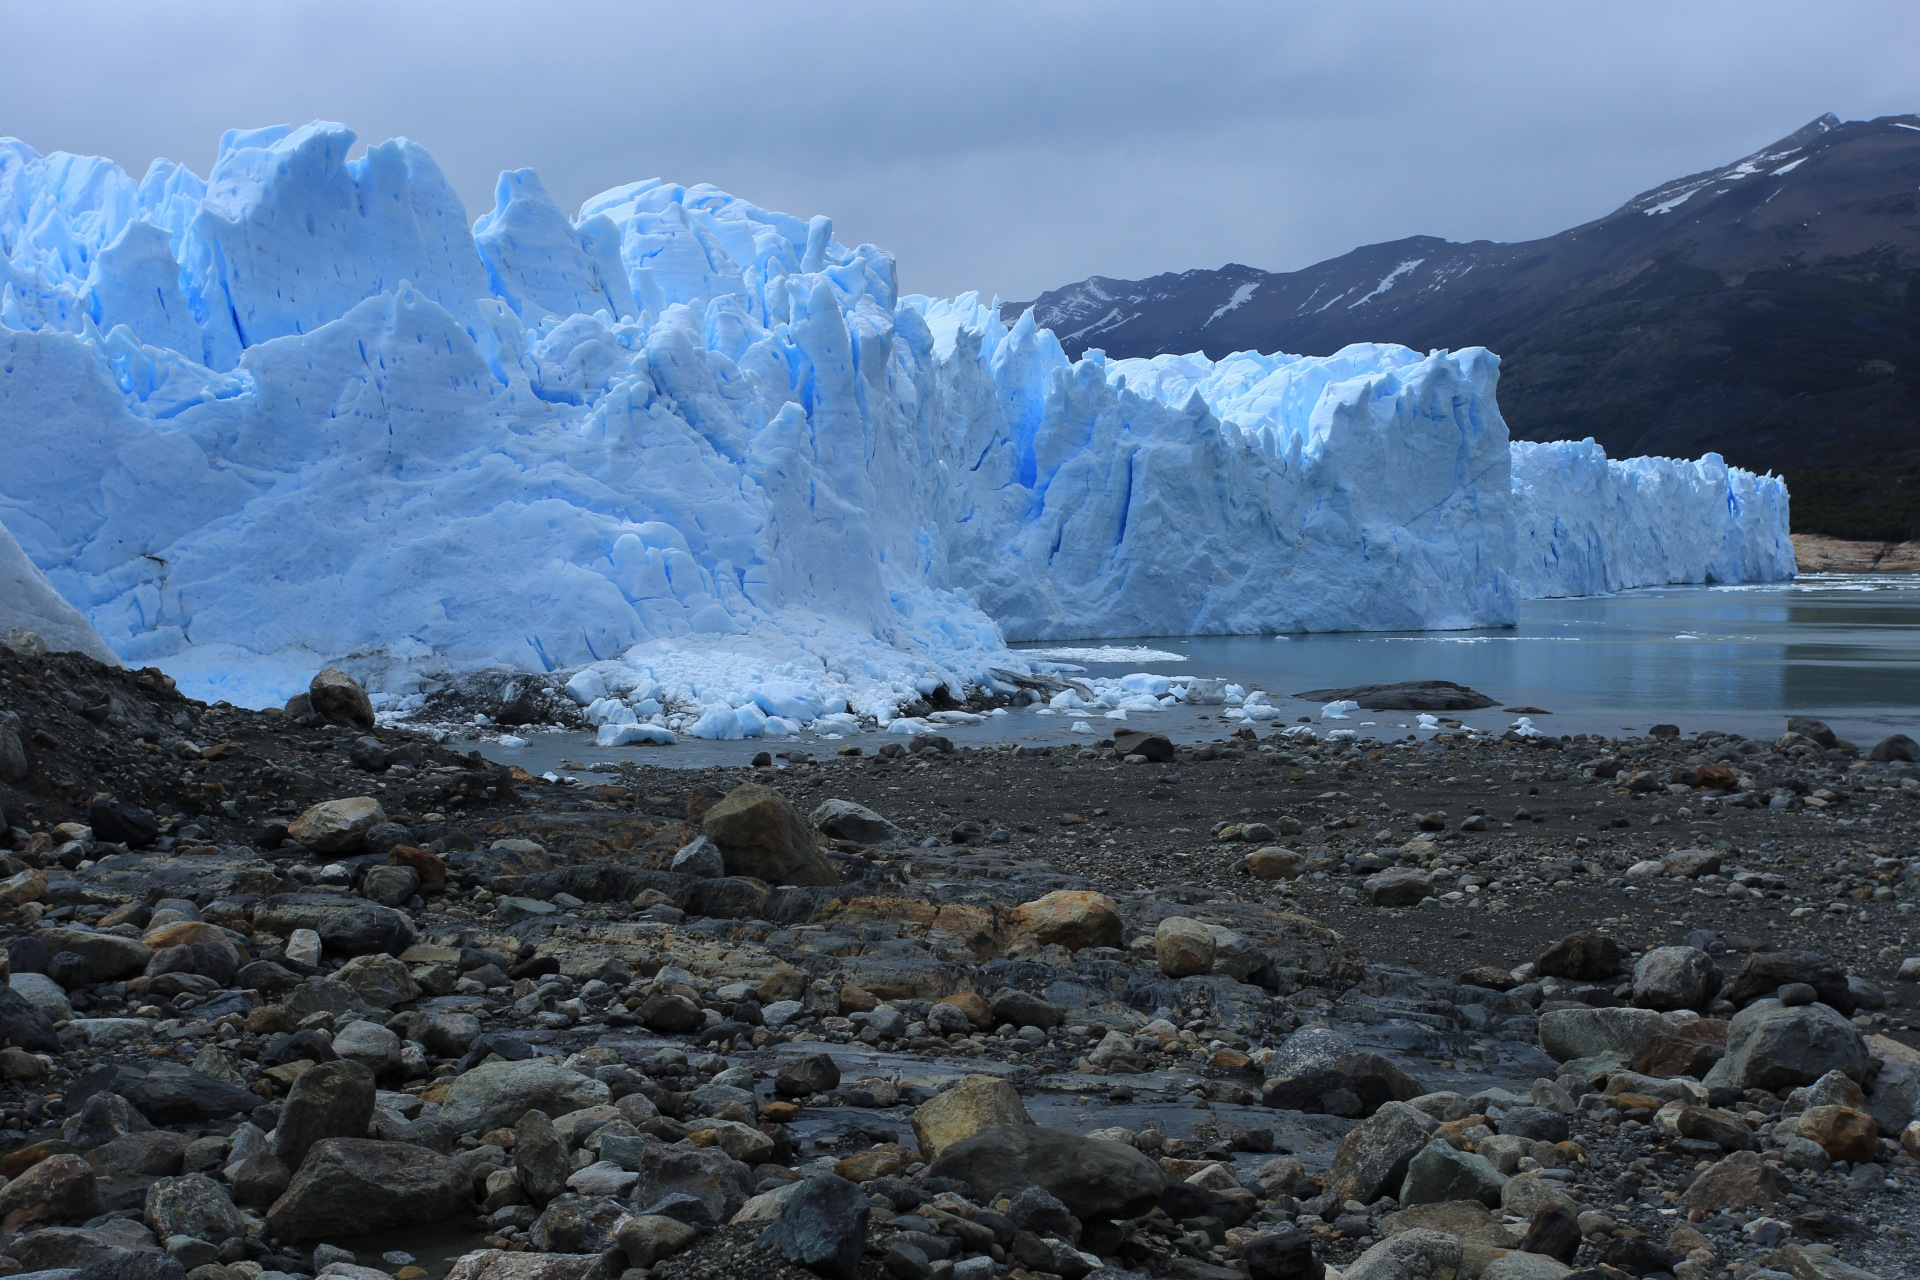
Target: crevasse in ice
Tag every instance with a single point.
(302, 412)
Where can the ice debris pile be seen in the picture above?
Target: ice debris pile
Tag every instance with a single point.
(300, 412)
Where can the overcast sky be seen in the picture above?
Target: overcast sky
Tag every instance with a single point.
(1002, 147)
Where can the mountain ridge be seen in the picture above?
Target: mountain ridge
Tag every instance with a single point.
(1767, 309)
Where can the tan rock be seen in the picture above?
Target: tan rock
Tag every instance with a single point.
(1742, 1180)
(1183, 947)
(975, 1104)
(971, 1003)
(1271, 862)
(888, 1160)
(338, 696)
(18, 890)
(337, 826)
(1071, 918)
(762, 835)
(1842, 1132)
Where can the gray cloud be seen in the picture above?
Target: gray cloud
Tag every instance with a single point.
(1007, 147)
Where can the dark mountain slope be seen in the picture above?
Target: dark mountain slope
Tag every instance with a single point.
(1769, 310)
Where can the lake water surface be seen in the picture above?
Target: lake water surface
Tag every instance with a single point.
(1845, 648)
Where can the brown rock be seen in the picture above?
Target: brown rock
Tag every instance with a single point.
(1842, 1132)
(1740, 1181)
(858, 1000)
(338, 696)
(1071, 918)
(762, 835)
(971, 1003)
(431, 868)
(58, 1189)
(1716, 777)
(337, 826)
(1271, 862)
(889, 1160)
(782, 984)
(1582, 957)
(702, 798)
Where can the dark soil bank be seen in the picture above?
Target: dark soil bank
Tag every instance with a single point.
(291, 995)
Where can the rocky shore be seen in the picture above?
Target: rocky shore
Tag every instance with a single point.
(290, 994)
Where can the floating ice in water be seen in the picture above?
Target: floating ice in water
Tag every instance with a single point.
(1428, 721)
(511, 740)
(1101, 653)
(1337, 710)
(626, 735)
(301, 412)
(1523, 727)
(1081, 726)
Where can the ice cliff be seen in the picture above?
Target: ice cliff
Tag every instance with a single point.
(29, 602)
(302, 411)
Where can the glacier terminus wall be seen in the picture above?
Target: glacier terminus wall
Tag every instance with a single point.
(301, 411)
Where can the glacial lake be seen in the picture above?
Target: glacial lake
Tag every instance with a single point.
(1845, 648)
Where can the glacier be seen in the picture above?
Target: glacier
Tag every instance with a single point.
(708, 461)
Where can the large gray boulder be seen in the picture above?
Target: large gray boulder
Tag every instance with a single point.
(1094, 1178)
(1372, 1159)
(1774, 1046)
(356, 1186)
(329, 1100)
(498, 1093)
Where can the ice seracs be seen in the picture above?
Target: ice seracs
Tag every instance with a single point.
(29, 603)
(705, 456)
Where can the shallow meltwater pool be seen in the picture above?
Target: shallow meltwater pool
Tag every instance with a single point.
(1844, 648)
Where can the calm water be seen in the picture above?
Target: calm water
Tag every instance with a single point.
(1844, 648)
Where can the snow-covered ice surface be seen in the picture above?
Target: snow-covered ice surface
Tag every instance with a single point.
(301, 412)
(29, 602)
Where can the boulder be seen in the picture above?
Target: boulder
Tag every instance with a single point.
(1096, 1179)
(337, 826)
(59, 1188)
(822, 1226)
(708, 1174)
(23, 1025)
(1582, 957)
(1023, 1009)
(1643, 1040)
(1739, 1181)
(498, 1093)
(357, 1186)
(972, 1106)
(1183, 947)
(1071, 918)
(1354, 1084)
(762, 835)
(1418, 1254)
(502, 1264)
(1285, 1253)
(1774, 1046)
(1674, 978)
(367, 928)
(540, 1159)
(1765, 972)
(1405, 695)
(699, 857)
(1156, 748)
(123, 823)
(195, 1206)
(337, 696)
(646, 1238)
(379, 979)
(369, 1044)
(845, 820)
(1438, 1172)
(1372, 1159)
(1895, 747)
(1399, 887)
(806, 1073)
(329, 1100)
(165, 1092)
(109, 957)
(1844, 1133)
